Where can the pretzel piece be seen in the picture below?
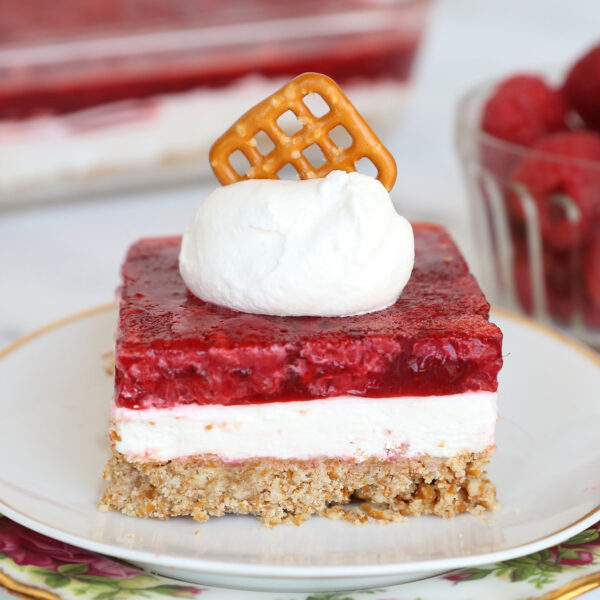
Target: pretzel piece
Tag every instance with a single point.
(315, 130)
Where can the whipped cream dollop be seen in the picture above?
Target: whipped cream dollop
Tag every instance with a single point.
(319, 247)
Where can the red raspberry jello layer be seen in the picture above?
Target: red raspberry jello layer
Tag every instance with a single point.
(173, 348)
(79, 79)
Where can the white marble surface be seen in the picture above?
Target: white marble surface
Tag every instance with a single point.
(60, 258)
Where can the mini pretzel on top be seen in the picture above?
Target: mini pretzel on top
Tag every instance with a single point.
(315, 130)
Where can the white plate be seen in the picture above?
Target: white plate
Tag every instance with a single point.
(53, 444)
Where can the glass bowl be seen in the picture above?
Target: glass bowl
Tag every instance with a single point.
(537, 253)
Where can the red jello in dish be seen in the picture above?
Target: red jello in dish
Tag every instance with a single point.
(175, 349)
(99, 94)
(91, 52)
(218, 411)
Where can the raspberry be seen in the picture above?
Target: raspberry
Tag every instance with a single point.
(524, 109)
(591, 267)
(572, 174)
(582, 87)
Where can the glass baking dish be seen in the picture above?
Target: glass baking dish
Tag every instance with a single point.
(100, 95)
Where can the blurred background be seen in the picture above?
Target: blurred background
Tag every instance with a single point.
(107, 111)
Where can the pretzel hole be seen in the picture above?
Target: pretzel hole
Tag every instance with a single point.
(365, 165)
(239, 162)
(315, 103)
(340, 136)
(264, 144)
(288, 123)
(288, 171)
(314, 155)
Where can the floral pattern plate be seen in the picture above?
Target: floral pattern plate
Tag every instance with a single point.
(54, 410)
(37, 566)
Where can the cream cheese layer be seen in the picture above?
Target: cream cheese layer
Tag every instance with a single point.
(348, 427)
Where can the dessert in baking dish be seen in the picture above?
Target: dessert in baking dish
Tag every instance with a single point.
(113, 93)
(301, 347)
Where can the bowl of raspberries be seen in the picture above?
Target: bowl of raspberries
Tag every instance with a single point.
(529, 146)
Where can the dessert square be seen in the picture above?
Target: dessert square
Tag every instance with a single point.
(217, 411)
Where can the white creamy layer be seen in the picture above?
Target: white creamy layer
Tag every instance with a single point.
(332, 246)
(349, 427)
(139, 135)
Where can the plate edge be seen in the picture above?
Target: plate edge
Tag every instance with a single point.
(82, 314)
